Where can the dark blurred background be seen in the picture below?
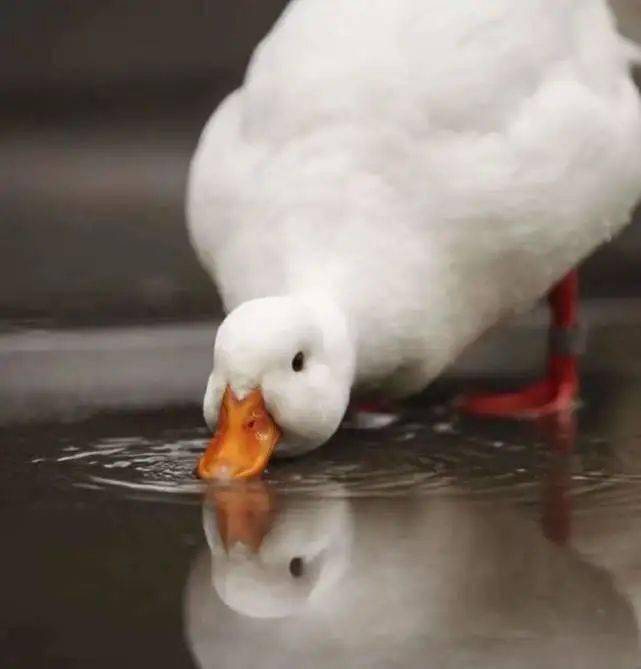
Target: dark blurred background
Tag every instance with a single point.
(103, 103)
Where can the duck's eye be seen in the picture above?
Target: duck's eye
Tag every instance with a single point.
(298, 361)
(296, 567)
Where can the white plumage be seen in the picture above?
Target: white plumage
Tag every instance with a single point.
(421, 168)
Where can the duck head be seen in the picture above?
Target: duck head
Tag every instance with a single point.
(281, 381)
(271, 557)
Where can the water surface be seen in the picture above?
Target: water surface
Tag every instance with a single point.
(440, 541)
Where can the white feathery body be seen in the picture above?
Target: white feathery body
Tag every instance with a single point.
(427, 166)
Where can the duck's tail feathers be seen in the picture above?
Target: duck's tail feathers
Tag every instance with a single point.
(632, 52)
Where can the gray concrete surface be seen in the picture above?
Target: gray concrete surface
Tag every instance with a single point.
(58, 374)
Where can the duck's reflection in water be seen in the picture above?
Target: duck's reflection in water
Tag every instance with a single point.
(271, 558)
(413, 582)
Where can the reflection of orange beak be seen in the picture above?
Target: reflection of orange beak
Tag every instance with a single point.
(243, 514)
(244, 440)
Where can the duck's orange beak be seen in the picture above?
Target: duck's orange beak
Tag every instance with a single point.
(244, 440)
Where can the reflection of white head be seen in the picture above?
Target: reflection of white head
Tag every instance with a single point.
(402, 582)
(300, 559)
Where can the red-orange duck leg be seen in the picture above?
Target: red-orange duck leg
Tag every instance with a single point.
(559, 390)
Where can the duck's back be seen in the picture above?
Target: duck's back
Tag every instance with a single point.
(431, 164)
(426, 64)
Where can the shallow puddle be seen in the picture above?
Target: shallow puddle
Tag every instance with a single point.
(437, 542)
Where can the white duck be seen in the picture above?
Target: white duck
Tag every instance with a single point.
(389, 181)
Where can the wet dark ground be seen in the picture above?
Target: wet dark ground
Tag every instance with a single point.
(440, 541)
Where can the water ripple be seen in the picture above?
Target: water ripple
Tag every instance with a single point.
(424, 455)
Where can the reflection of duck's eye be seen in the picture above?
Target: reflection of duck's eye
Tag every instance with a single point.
(298, 362)
(296, 567)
